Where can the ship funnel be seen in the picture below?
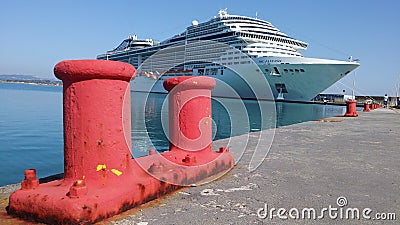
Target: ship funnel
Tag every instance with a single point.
(223, 13)
(133, 37)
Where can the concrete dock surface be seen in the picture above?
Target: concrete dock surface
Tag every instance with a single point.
(340, 170)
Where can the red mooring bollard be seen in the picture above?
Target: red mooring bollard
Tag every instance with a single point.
(30, 181)
(366, 107)
(100, 177)
(190, 126)
(351, 108)
(190, 100)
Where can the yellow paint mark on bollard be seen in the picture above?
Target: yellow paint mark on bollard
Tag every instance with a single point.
(101, 167)
(116, 172)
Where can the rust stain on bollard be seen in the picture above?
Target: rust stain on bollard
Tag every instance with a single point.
(100, 177)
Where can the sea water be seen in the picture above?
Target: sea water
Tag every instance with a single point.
(31, 127)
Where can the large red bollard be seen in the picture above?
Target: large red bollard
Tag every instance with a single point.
(351, 108)
(97, 144)
(100, 177)
(366, 107)
(97, 123)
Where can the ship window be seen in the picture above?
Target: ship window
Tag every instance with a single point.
(286, 70)
(267, 70)
(297, 70)
(281, 88)
(201, 71)
(302, 70)
(276, 71)
(291, 70)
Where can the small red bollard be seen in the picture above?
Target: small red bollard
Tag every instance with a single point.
(351, 108)
(190, 124)
(190, 103)
(366, 107)
(100, 177)
(30, 181)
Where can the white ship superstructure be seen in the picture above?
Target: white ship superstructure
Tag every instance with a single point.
(242, 52)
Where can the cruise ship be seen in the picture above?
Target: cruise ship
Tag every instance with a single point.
(249, 58)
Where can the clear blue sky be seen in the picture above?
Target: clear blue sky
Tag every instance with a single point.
(35, 35)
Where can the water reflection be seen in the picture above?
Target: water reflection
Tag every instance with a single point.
(231, 117)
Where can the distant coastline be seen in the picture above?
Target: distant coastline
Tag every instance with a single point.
(39, 82)
(28, 79)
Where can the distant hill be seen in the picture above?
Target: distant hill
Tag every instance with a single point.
(28, 79)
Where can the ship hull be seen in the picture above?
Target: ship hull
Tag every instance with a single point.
(268, 78)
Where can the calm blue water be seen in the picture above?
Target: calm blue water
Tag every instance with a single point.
(31, 132)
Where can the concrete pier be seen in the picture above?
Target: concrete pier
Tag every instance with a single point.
(338, 162)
